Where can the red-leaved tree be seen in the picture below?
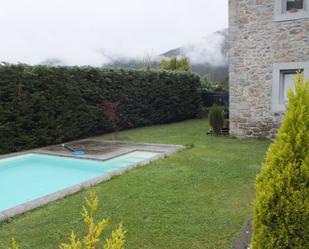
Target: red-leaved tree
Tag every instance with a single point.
(110, 109)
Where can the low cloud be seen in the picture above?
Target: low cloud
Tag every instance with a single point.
(211, 49)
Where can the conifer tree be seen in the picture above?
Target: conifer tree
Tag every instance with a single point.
(281, 210)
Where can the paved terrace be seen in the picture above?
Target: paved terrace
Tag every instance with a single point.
(104, 150)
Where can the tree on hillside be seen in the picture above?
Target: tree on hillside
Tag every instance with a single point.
(281, 210)
(225, 83)
(206, 83)
(148, 62)
(211, 86)
(175, 64)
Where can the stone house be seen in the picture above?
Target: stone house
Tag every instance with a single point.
(269, 43)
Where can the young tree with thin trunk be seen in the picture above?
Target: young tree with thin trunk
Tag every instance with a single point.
(110, 109)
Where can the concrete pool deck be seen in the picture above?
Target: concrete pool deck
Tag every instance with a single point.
(107, 149)
(95, 150)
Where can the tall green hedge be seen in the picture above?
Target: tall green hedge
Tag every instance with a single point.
(41, 105)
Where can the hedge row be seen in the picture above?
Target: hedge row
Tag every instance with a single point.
(41, 105)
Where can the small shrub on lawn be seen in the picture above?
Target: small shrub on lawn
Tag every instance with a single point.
(14, 244)
(92, 238)
(216, 118)
(281, 210)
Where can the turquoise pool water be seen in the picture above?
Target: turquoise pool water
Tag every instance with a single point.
(31, 176)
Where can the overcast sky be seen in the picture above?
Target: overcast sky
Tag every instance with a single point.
(87, 32)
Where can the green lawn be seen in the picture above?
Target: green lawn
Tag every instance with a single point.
(198, 198)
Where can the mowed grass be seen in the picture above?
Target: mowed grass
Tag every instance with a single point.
(200, 197)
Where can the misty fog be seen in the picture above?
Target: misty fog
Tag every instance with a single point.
(95, 32)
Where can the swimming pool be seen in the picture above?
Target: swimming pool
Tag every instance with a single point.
(28, 177)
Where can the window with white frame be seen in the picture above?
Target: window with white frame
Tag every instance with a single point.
(286, 82)
(291, 9)
(283, 80)
(293, 6)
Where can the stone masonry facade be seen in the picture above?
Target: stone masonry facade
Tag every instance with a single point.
(257, 42)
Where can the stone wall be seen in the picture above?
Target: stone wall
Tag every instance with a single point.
(256, 43)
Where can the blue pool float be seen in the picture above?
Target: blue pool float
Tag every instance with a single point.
(74, 152)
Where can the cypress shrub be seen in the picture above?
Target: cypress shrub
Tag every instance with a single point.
(216, 118)
(42, 105)
(281, 210)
